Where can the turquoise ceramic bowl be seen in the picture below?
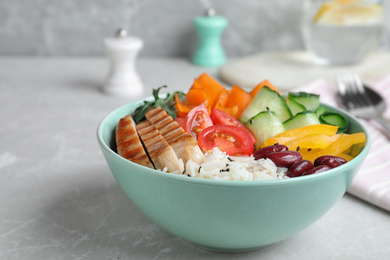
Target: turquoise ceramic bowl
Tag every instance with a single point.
(228, 216)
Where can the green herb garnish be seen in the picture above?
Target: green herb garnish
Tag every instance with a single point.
(167, 104)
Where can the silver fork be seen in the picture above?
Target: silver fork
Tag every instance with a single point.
(361, 101)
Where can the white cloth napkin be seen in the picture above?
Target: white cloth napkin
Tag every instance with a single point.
(372, 182)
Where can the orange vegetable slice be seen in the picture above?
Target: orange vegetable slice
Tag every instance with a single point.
(232, 111)
(205, 89)
(195, 98)
(211, 86)
(221, 104)
(233, 101)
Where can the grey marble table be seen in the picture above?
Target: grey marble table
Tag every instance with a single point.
(58, 199)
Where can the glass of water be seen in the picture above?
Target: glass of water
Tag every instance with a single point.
(342, 32)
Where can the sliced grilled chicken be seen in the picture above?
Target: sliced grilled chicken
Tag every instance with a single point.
(160, 152)
(183, 143)
(128, 143)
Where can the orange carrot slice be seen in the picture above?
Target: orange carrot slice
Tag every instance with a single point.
(233, 101)
(222, 101)
(212, 87)
(194, 97)
(232, 111)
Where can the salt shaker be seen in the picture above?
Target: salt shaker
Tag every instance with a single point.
(122, 78)
(210, 52)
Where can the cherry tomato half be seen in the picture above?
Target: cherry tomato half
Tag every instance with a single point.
(233, 140)
(197, 120)
(221, 118)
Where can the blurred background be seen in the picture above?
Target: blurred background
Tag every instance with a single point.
(77, 28)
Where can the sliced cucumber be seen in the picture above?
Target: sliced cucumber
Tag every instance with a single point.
(332, 118)
(294, 106)
(320, 110)
(308, 100)
(264, 125)
(266, 99)
(301, 119)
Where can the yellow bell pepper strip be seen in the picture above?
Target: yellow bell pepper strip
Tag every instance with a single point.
(308, 152)
(277, 140)
(310, 130)
(311, 141)
(345, 156)
(355, 149)
(317, 140)
(302, 132)
(343, 143)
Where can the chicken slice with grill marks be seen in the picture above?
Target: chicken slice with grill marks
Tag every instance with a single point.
(160, 152)
(128, 144)
(183, 143)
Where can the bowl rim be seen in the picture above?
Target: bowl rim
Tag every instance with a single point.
(236, 183)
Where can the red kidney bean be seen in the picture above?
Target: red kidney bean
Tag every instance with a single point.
(262, 152)
(285, 158)
(317, 169)
(299, 168)
(330, 160)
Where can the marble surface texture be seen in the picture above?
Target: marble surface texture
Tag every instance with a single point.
(72, 27)
(58, 199)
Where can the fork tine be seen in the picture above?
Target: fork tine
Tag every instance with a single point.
(348, 92)
(358, 83)
(342, 93)
(367, 104)
(361, 97)
(353, 91)
(353, 97)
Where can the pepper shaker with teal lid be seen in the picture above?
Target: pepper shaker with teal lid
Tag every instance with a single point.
(210, 52)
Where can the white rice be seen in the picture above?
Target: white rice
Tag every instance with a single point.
(218, 165)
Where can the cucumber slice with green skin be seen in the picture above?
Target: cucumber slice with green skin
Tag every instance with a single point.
(264, 125)
(320, 110)
(301, 119)
(266, 99)
(332, 118)
(308, 100)
(294, 106)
